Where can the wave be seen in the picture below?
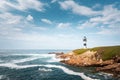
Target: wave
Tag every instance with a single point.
(34, 57)
(31, 54)
(70, 72)
(66, 70)
(3, 77)
(106, 75)
(24, 60)
(102, 73)
(15, 66)
(1, 61)
(13, 63)
(45, 70)
(53, 59)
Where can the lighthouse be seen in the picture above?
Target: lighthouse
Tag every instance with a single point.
(85, 42)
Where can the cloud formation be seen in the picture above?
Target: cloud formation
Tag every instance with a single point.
(12, 26)
(29, 18)
(46, 21)
(63, 25)
(8, 18)
(31, 22)
(78, 9)
(53, 1)
(22, 5)
(108, 21)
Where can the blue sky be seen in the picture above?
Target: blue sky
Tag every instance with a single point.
(58, 24)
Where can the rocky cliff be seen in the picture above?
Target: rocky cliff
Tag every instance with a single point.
(102, 58)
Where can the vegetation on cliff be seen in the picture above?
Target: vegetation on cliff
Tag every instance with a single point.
(80, 51)
(106, 53)
(105, 59)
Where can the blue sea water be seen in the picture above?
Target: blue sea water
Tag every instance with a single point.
(39, 65)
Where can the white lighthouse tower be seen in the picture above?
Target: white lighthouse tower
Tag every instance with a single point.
(85, 42)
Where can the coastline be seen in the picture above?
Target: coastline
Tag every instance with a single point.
(92, 59)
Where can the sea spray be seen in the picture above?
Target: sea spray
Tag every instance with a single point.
(66, 70)
(24, 60)
(1, 77)
(70, 72)
(45, 70)
(34, 64)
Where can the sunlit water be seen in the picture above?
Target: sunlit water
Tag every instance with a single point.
(39, 65)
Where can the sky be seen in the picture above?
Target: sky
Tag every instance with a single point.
(59, 24)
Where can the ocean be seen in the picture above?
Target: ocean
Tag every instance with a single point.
(39, 65)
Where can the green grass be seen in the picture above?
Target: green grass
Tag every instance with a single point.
(107, 52)
(80, 51)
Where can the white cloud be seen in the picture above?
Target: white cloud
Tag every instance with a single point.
(108, 19)
(78, 9)
(11, 25)
(53, 1)
(112, 29)
(29, 18)
(110, 15)
(63, 25)
(30, 4)
(87, 24)
(46, 21)
(6, 5)
(96, 6)
(8, 18)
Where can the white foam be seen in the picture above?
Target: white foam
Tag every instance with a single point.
(4, 77)
(36, 56)
(103, 73)
(31, 54)
(45, 70)
(68, 71)
(33, 57)
(24, 60)
(106, 75)
(1, 76)
(53, 59)
(56, 59)
(12, 65)
(1, 61)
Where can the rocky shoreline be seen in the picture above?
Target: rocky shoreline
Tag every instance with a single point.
(113, 68)
(92, 59)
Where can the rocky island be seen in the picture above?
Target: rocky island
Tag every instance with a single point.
(105, 59)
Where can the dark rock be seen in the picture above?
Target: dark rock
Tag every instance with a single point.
(109, 66)
(57, 53)
(117, 59)
(112, 68)
(51, 53)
